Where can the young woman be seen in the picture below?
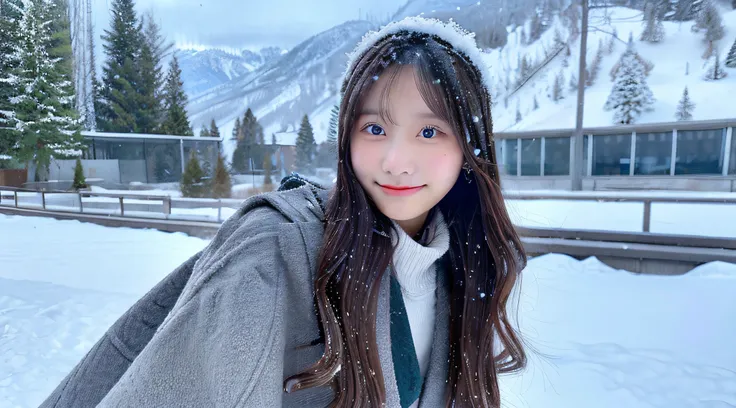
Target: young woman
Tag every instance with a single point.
(388, 290)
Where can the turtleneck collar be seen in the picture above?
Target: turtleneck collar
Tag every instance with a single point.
(412, 260)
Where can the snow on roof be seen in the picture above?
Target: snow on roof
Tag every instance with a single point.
(461, 39)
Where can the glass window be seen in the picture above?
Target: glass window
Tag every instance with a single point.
(206, 154)
(557, 156)
(531, 157)
(510, 156)
(611, 155)
(498, 147)
(700, 151)
(163, 160)
(653, 153)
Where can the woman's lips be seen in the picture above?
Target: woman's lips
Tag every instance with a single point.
(400, 191)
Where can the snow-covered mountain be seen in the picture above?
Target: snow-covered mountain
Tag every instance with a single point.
(303, 81)
(206, 69)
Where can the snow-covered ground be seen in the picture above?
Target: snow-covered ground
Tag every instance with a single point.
(597, 337)
(715, 220)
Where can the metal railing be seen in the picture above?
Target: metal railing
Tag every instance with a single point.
(620, 198)
(166, 203)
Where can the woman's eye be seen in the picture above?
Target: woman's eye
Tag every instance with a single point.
(429, 132)
(375, 130)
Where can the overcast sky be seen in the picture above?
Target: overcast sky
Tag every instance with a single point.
(248, 23)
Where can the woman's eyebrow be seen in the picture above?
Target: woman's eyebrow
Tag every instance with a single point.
(424, 115)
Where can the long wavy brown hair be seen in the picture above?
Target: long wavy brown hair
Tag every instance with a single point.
(485, 256)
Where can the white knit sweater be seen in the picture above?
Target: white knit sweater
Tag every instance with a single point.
(414, 266)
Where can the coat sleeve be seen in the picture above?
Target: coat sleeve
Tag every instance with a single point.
(213, 338)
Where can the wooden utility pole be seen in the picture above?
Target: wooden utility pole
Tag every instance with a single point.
(576, 165)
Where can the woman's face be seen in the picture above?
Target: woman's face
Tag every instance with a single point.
(409, 165)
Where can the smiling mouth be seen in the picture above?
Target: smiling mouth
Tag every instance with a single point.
(400, 190)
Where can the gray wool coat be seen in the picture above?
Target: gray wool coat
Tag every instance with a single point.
(222, 329)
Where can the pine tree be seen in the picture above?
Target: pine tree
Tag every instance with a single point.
(305, 147)
(685, 107)
(709, 19)
(557, 93)
(10, 59)
(222, 187)
(536, 103)
(191, 180)
(119, 93)
(573, 84)
(653, 29)
(46, 124)
(715, 71)
(250, 143)
(236, 129)
(731, 58)
(524, 68)
(535, 28)
(630, 95)
(518, 112)
(214, 130)
(631, 50)
(684, 10)
(79, 180)
(204, 132)
(611, 46)
(176, 121)
(595, 66)
(150, 105)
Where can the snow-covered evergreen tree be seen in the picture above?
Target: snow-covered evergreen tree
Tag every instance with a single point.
(715, 70)
(176, 121)
(536, 28)
(709, 19)
(46, 124)
(731, 58)
(557, 88)
(630, 95)
(573, 84)
(595, 66)
(653, 29)
(518, 111)
(535, 105)
(685, 107)
(204, 132)
(631, 49)
(611, 44)
(305, 147)
(10, 58)
(683, 10)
